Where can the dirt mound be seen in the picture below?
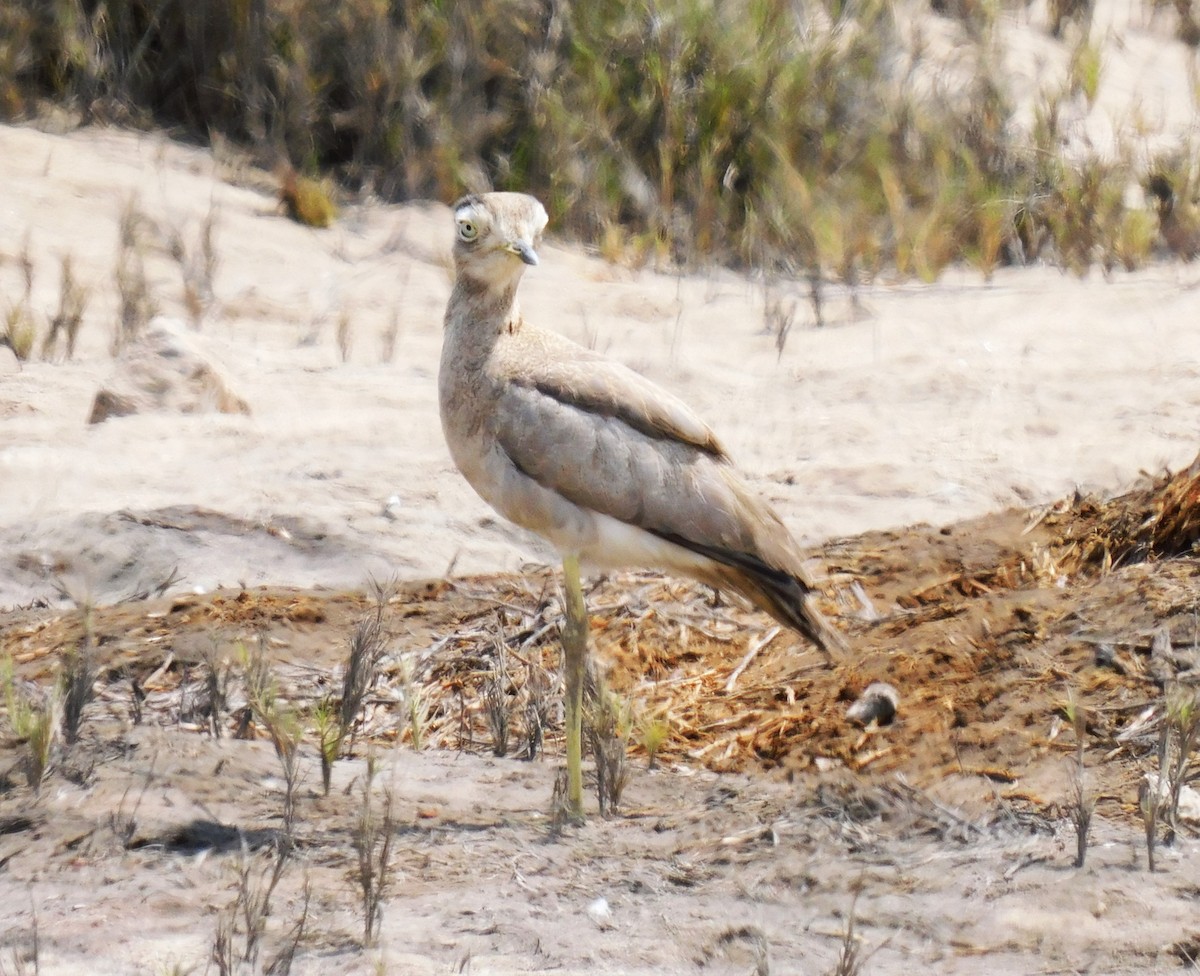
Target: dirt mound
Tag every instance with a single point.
(987, 629)
(1157, 521)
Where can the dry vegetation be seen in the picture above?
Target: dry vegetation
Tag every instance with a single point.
(1091, 601)
(1043, 661)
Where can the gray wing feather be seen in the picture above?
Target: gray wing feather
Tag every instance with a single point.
(594, 384)
(644, 464)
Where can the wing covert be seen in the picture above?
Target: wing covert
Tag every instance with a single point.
(596, 385)
(602, 462)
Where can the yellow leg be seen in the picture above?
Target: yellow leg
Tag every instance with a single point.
(574, 641)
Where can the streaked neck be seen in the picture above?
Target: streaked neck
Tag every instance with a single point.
(483, 308)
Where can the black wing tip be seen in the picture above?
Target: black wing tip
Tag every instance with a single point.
(786, 597)
(792, 605)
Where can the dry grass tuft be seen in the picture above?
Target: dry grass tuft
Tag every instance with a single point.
(608, 722)
(850, 959)
(34, 720)
(335, 724)
(76, 688)
(242, 926)
(198, 265)
(26, 959)
(368, 645)
(217, 676)
(497, 703)
(136, 302)
(20, 332)
(537, 692)
(20, 328)
(307, 201)
(66, 322)
(1158, 521)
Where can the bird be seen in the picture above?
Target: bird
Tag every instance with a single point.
(609, 468)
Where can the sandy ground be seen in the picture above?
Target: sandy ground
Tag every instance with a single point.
(941, 842)
(939, 403)
(927, 404)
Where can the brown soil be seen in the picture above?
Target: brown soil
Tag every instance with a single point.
(769, 820)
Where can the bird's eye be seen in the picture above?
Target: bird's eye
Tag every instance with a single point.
(467, 230)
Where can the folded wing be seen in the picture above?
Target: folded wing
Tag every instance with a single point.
(610, 441)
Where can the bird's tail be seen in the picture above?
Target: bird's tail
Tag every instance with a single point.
(785, 596)
(789, 600)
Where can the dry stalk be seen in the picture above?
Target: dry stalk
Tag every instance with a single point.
(147, 589)
(122, 822)
(496, 699)
(779, 315)
(850, 955)
(1082, 808)
(373, 837)
(387, 340)
(283, 727)
(608, 730)
(27, 963)
(247, 915)
(78, 680)
(72, 301)
(217, 677)
(1084, 803)
(208, 257)
(282, 963)
(137, 697)
(1149, 802)
(345, 335)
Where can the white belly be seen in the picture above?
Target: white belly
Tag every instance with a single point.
(618, 545)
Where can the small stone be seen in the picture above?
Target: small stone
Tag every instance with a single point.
(599, 912)
(877, 704)
(1106, 656)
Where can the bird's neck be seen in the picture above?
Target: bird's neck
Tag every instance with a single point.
(485, 310)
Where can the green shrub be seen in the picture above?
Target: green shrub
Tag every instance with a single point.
(785, 136)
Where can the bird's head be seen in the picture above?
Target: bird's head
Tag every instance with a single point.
(496, 235)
